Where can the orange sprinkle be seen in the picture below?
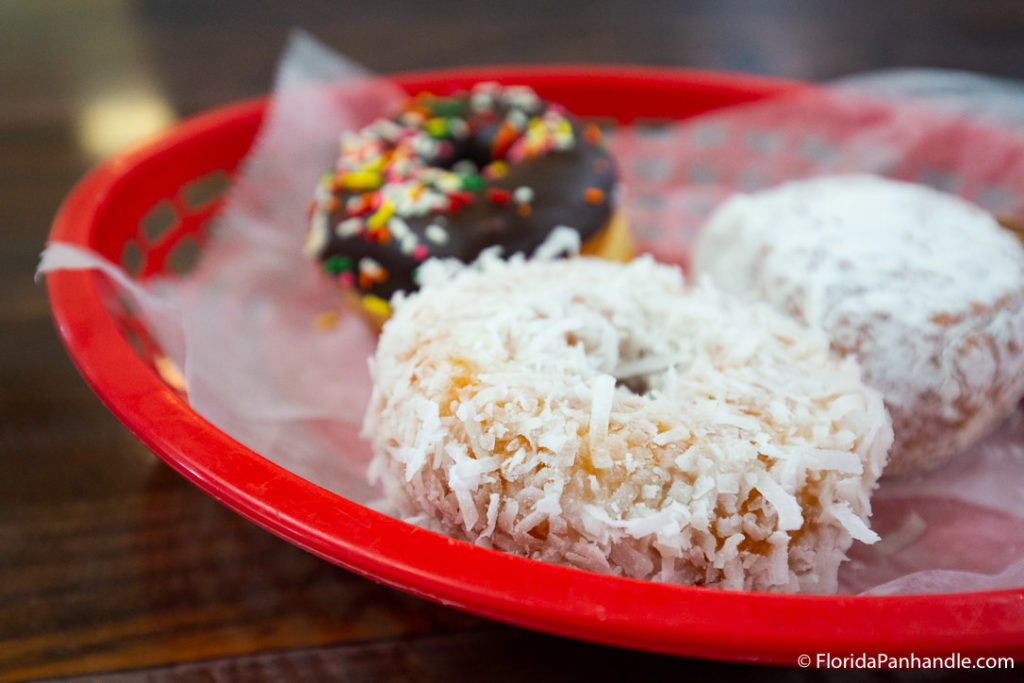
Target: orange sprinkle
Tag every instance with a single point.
(333, 204)
(368, 278)
(327, 320)
(593, 195)
(380, 234)
(523, 210)
(363, 206)
(592, 134)
(506, 135)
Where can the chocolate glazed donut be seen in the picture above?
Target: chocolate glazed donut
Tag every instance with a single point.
(452, 176)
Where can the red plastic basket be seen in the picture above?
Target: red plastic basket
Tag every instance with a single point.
(112, 210)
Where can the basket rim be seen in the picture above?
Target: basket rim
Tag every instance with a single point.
(682, 620)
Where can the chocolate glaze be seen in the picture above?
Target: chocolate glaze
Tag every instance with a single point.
(562, 182)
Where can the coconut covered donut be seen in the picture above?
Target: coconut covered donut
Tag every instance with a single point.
(602, 415)
(925, 290)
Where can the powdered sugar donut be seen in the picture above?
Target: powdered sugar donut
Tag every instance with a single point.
(603, 416)
(923, 288)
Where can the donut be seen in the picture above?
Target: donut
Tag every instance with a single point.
(450, 176)
(923, 288)
(603, 416)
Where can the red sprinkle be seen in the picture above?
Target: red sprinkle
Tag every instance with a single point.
(498, 196)
(420, 252)
(364, 206)
(460, 199)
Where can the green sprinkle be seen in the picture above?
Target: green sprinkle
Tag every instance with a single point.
(416, 275)
(472, 182)
(337, 264)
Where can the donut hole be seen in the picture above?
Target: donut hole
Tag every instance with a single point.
(614, 348)
(642, 366)
(620, 346)
(638, 384)
(469, 154)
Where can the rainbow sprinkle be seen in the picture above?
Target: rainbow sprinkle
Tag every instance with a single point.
(388, 172)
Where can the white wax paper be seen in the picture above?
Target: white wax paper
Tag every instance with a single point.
(242, 324)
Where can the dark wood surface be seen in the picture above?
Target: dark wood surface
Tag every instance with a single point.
(112, 564)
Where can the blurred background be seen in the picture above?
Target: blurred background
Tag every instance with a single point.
(111, 562)
(124, 65)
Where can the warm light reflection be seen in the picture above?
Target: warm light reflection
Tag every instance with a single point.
(108, 123)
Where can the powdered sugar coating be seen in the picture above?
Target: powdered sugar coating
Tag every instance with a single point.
(923, 288)
(502, 413)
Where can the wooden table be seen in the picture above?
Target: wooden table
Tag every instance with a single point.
(111, 564)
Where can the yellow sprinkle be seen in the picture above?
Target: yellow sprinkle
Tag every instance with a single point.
(436, 127)
(537, 131)
(362, 180)
(374, 165)
(382, 215)
(376, 305)
(498, 169)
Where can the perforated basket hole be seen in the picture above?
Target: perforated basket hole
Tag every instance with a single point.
(708, 135)
(995, 198)
(124, 313)
(653, 127)
(205, 189)
(122, 310)
(161, 218)
(657, 170)
(184, 256)
(131, 258)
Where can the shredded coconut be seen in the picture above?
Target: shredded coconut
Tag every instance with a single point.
(604, 416)
(924, 289)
